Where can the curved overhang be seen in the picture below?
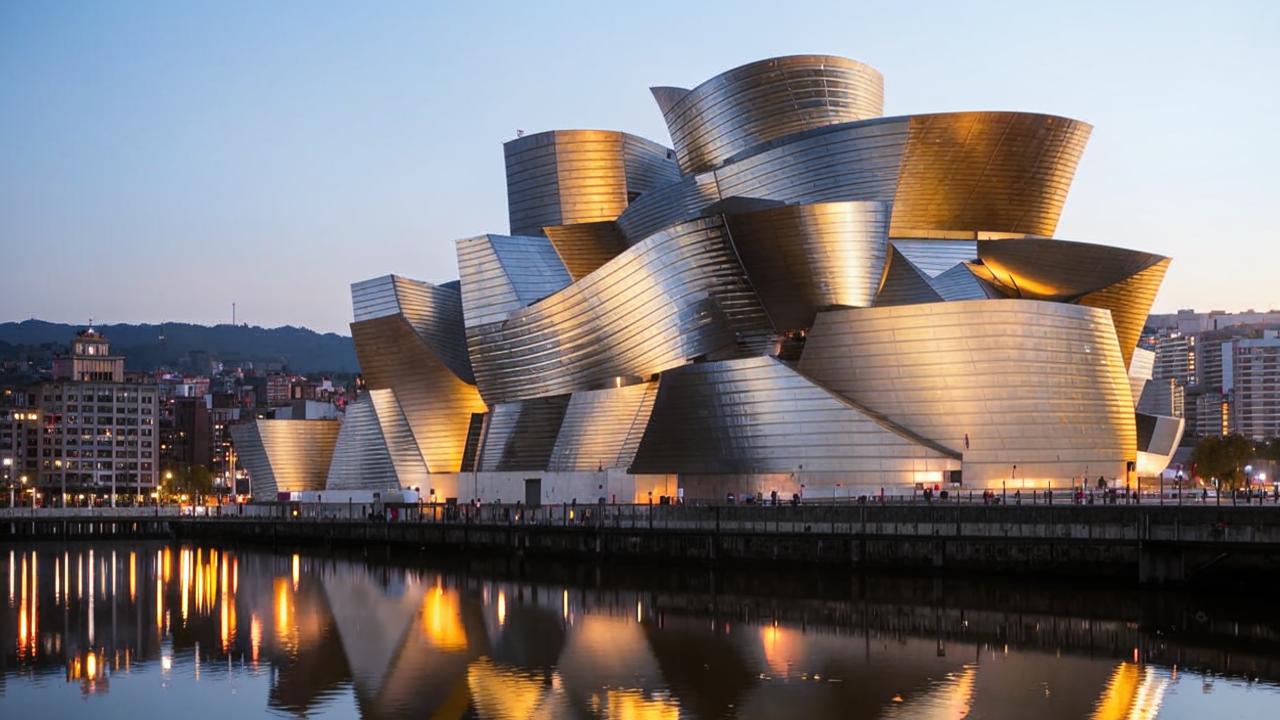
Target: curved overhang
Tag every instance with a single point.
(1125, 282)
(1039, 385)
(757, 102)
(678, 295)
(986, 171)
(953, 175)
(805, 258)
(562, 177)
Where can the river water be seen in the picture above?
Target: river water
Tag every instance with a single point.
(156, 630)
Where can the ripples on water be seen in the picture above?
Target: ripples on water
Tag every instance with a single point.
(144, 630)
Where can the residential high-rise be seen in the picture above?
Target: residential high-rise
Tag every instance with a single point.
(96, 434)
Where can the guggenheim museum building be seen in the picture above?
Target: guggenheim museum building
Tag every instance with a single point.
(797, 295)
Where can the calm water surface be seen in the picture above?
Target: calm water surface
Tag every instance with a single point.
(152, 630)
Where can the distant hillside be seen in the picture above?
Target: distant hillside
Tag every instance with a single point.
(301, 349)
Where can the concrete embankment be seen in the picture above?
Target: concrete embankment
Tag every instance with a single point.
(1147, 543)
(1151, 544)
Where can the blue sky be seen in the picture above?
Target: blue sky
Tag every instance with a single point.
(159, 161)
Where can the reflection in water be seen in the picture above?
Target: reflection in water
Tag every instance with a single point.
(216, 629)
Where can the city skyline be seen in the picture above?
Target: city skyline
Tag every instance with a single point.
(187, 159)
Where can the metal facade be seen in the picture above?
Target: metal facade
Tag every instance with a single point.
(801, 292)
(1039, 385)
(805, 258)
(285, 455)
(563, 177)
(396, 353)
(676, 296)
(757, 415)
(752, 104)
(376, 449)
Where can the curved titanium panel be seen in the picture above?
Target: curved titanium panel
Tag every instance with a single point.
(501, 273)
(285, 455)
(1130, 301)
(586, 246)
(1037, 384)
(1122, 281)
(993, 171)
(602, 428)
(564, 177)
(375, 448)
(757, 415)
(904, 283)
(434, 312)
(677, 295)
(752, 104)
(436, 403)
(521, 434)
(959, 283)
(1158, 439)
(935, 257)
(805, 258)
(981, 173)
(1141, 367)
(678, 202)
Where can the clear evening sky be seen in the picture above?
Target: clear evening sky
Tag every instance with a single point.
(161, 160)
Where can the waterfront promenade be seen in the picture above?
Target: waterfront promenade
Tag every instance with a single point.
(1150, 542)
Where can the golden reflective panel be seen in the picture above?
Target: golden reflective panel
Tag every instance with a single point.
(305, 634)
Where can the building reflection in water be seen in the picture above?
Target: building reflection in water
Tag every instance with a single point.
(405, 641)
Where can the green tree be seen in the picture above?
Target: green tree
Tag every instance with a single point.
(1223, 457)
(195, 480)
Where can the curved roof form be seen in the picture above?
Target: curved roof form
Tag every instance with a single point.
(1122, 281)
(564, 177)
(678, 295)
(285, 455)
(987, 171)
(805, 258)
(757, 415)
(795, 264)
(757, 102)
(981, 173)
(1039, 385)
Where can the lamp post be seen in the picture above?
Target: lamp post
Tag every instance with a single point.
(8, 478)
